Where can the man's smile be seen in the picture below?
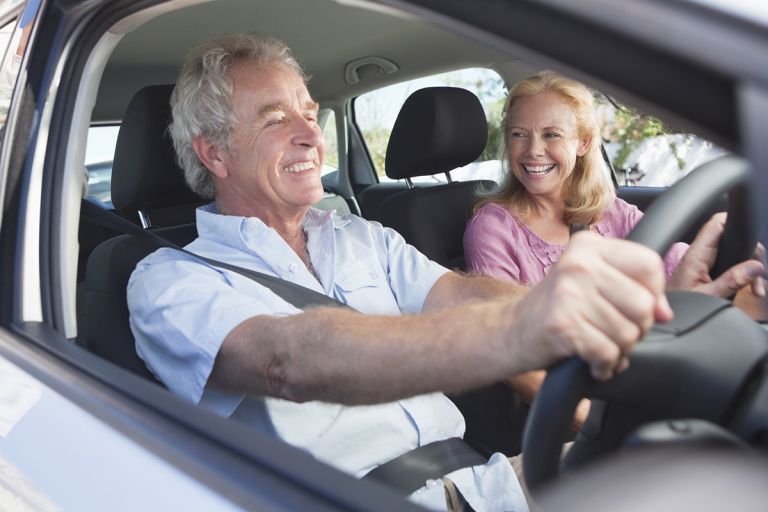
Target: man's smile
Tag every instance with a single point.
(299, 167)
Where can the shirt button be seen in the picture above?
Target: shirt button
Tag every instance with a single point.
(293, 267)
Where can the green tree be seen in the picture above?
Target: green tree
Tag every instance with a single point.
(629, 128)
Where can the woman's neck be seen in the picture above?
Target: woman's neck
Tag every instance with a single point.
(544, 217)
(539, 207)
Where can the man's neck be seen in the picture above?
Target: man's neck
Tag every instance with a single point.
(287, 223)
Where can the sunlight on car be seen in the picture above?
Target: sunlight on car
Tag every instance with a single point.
(644, 151)
(99, 152)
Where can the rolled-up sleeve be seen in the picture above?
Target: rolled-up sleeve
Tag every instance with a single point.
(180, 313)
(410, 274)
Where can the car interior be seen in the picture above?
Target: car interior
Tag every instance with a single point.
(348, 48)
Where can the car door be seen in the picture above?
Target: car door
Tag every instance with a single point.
(76, 432)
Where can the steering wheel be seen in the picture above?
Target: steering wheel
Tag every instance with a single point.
(703, 364)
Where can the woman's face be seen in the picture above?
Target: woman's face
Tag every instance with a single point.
(543, 143)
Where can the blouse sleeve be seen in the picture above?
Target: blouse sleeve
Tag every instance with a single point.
(673, 257)
(487, 246)
(629, 216)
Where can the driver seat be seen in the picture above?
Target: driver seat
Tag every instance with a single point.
(146, 182)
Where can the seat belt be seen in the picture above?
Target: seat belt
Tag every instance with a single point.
(575, 228)
(293, 293)
(405, 473)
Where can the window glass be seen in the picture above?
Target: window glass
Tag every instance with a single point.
(646, 152)
(12, 50)
(102, 140)
(13, 41)
(99, 153)
(331, 142)
(376, 111)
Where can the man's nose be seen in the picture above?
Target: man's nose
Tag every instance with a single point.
(307, 132)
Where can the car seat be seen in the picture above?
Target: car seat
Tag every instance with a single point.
(148, 185)
(437, 130)
(146, 182)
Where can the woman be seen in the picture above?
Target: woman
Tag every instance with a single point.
(557, 182)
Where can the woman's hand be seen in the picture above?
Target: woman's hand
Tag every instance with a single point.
(693, 271)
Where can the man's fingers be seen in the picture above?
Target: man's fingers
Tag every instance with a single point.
(597, 303)
(632, 259)
(663, 311)
(628, 309)
(599, 352)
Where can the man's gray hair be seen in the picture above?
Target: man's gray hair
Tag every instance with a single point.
(201, 103)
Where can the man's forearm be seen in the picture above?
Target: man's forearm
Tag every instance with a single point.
(454, 289)
(343, 356)
(596, 303)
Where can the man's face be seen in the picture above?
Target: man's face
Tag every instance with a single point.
(273, 169)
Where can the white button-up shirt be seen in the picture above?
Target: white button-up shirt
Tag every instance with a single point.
(182, 309)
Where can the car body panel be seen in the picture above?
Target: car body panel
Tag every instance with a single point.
(44, 437)
(89, 436)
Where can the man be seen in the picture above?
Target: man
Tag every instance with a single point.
(355, 389)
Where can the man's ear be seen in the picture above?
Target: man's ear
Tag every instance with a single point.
(584, 145)
(210, 155)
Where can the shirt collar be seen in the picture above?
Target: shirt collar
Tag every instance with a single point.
(316, 218)
(229, 229)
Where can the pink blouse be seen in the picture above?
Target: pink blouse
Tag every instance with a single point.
(498, 244)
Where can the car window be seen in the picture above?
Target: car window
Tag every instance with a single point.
(14, 35)
(102, 140)
(11, 48)
(328, 118)
(376, 111)
(646, 152)
(99, 153)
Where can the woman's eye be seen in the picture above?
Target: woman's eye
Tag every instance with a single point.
(517, 135)
(552, 135)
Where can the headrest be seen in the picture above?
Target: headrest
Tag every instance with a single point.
(144, 172)
(437, 130)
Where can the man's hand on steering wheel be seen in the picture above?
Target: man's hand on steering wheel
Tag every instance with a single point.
(692, 273)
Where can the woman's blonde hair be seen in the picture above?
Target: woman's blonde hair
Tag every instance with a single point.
(588, 190)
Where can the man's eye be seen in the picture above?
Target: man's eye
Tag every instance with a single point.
(311, 117)
(275, 120)
(517, 135)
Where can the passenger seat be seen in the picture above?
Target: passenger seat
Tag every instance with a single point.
(437, 130)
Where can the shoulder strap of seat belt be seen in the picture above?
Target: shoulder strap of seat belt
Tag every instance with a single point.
(575, 228)
(294, 294)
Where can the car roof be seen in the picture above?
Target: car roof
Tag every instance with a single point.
(146, 54)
